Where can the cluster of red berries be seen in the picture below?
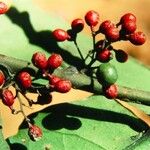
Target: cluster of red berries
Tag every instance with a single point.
(24, 79)
(53, 62)
(23, 82)
(103, 50)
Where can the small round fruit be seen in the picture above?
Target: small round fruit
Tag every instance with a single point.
(7, 97)
(39, 60)
(77, 25)
(53, 80)
(112, 34)
(35, 132)
(60, 35)
(121, 56)
(54, 61)
(104, 55)
(4, 6)
(107, 74)
(128, 27)
(111, 91)
(92, 18)
(127, 17)
(105, 26)
(2, 78)
(137, 38)
(63, 86)
(24, 80)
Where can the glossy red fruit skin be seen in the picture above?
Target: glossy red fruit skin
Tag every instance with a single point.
(77, 25)
(7, 97)
(127, 17)
(53, 80)
(63, 86)
(24, 80)
(92, 18)
(128, 27)
(104, 55)
(112, 34)
(3, 8)
(121, 56)
(39, 60)
(105, 25)
(137, 38)
(111, 91)
(54, 61)
(60, 35)
(2, 78)
(35, 132)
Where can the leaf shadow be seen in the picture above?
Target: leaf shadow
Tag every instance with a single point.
(43, 39)
(58, 115)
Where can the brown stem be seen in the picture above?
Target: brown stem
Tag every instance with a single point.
(82, 81)
(21, 108)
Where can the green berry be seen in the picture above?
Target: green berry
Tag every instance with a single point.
(107, 74)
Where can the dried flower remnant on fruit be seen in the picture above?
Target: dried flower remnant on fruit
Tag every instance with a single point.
(39, 60)
(60, 35)
(92, 18)
(24, 80)
(54, 61)
(35, 132)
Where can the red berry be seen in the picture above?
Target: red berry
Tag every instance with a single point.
(60, 35)
(77, 25)
(63, 86)
(24, 80)
(3, 8)
(111, 91)
(112, 34)
(2, 78)
(39, 60)
(7, 97)
(137, 38)
(104, 55)
(128, 27)
(54, 61)
(105, 26)
(35, 132)
(127, 17)
(53, 80)
(121, 56)
(92, 18)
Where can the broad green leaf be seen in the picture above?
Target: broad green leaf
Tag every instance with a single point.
(3, 144)
(94, 122)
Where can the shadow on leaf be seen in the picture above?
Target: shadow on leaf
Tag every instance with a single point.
(58, 117)
(43, 39)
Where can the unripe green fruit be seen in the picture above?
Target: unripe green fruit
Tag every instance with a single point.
(107, 74)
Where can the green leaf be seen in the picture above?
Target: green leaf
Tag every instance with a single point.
(93, 123)
(3, 144)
